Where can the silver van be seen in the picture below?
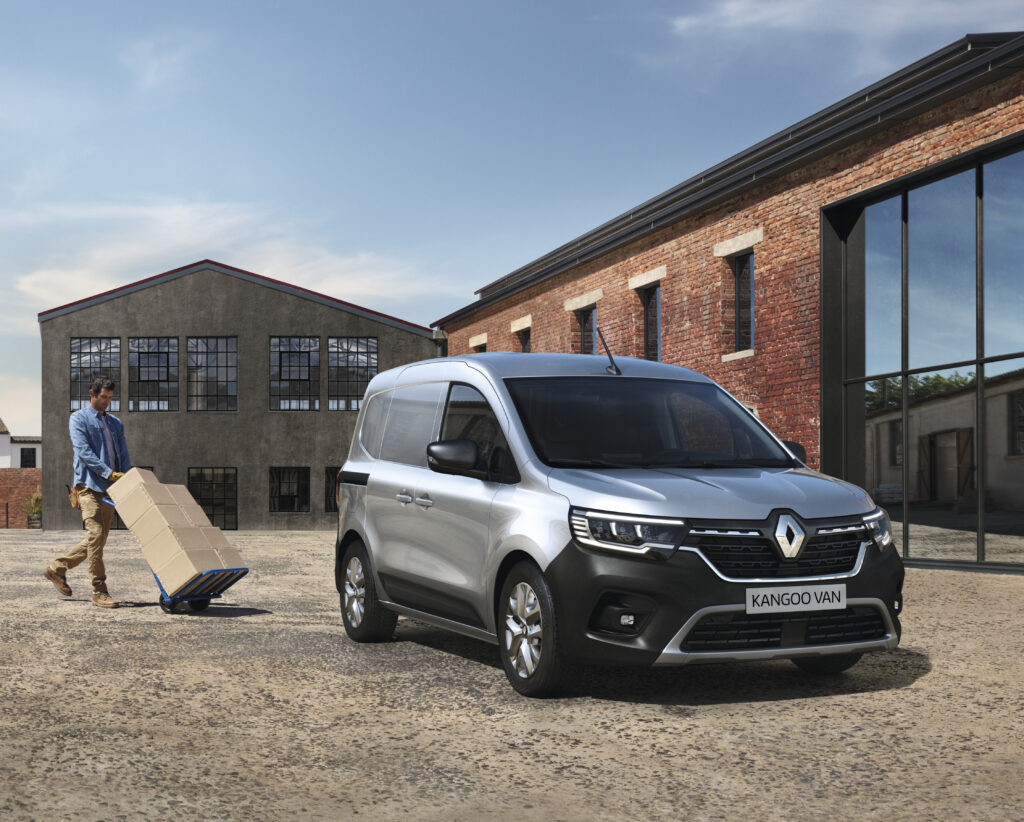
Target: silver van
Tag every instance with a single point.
(574, 510)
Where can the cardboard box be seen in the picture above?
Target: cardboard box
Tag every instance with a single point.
(193, 510)
(176, 537)
(139, 500)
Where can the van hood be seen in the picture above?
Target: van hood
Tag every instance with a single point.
(723, 493)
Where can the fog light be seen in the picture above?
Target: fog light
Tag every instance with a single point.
(627, 620)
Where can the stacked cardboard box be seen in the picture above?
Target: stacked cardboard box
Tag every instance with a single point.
(177, 539)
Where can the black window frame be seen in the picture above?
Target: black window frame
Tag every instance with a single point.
(331, 489)
(587, 318)
(222, 361)
(104, 355)
(220, 507)
(1015, 420)
(350, 370)
(289, 390)
(523, 336)
(25, 454)
(743, 301)
(300, 483)
(650, 298)
(142, 387)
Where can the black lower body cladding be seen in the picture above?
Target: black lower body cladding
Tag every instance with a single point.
(623, 610)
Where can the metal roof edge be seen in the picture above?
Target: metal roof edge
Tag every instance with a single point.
(249, 276)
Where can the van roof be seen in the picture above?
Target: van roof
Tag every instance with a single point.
(502, 364)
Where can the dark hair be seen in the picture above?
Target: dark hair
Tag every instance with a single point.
(101, 382)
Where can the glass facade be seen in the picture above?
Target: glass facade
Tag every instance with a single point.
(152, 373)
(92, 357)
(212, 374)
(933, 361)
(351, 364)
(294, 373)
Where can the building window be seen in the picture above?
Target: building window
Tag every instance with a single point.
(331, 488)
(743, 273)
(524, 340)
(1017, 423)
(651, 298)
(588, 339)
(92, 357)
(896, 442)
(28, 457)
(351, 364)
(153, 374)
(289, 490)
(216, 490)
(295, 374)
(212, 373)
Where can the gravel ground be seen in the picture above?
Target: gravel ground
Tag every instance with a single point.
(260, 707)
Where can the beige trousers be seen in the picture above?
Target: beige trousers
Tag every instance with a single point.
(98, 517)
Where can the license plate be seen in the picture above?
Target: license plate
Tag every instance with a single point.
(796, 598)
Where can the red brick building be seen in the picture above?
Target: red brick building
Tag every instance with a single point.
(850, 267)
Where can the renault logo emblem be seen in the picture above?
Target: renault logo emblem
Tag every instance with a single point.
(789, 536)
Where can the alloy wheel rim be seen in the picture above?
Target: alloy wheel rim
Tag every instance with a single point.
(523, 630)
(355, 592)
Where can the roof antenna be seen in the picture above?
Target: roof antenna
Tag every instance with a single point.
(613, 368)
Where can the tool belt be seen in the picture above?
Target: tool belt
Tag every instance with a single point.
(73, 495)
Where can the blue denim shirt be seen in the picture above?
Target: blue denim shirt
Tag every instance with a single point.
(92, 462)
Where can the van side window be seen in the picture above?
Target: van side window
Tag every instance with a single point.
(373, 423)
(467, 416)
(411, 423)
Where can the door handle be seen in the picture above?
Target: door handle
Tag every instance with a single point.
(426, 502)
(404, 498)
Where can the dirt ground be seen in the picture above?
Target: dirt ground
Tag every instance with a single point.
(261, 708)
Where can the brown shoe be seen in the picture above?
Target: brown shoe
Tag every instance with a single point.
(102, 599)
(58, 581)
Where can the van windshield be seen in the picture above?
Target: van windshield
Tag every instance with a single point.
(620, 422)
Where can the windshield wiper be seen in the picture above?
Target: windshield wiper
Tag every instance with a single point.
(591, 463)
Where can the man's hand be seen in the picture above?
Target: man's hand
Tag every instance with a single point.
(115, 476)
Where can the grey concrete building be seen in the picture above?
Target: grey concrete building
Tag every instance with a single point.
(241, 387)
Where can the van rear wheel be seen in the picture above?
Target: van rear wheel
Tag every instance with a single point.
(366, 620)
(530, 650)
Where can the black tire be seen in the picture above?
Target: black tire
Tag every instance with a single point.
(199, 604)
(531, 653)
(169, 607)
(366, 620)
(829, 664)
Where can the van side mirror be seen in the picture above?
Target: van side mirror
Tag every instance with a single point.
(798, 449)
(452, 456)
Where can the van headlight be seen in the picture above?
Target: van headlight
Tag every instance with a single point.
(626, 533)
(879, 528)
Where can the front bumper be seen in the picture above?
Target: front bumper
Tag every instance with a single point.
(684, 611)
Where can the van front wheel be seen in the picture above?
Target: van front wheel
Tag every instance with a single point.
(530, 651)
(366, 620)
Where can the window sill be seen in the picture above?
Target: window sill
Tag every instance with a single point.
(738, 355)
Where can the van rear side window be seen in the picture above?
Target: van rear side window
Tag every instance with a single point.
(412, 421)
(372, 429)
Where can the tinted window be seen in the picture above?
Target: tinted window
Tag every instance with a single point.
(410, 425)
(620, 422)
(468, 417)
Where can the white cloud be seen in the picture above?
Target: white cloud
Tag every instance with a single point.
(21, 404)
(104, 246)
(160, 64)
(865, 39)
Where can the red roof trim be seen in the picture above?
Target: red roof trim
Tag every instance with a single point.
(204, 263)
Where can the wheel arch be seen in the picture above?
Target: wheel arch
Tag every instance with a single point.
(340, 546)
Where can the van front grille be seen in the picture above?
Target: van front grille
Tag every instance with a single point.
(752, 555)
(737, 631)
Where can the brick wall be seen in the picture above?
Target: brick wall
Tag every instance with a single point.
(17, 485)
(782, 378)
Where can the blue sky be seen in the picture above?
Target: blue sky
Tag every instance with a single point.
(398, 155)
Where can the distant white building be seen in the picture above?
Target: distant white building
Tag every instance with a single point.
(19, 452)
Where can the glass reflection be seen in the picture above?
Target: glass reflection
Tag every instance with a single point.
(883, 447)
(942, 465)
(1004, 461)
(1004, 226)
(883, 297)
(942, 271)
